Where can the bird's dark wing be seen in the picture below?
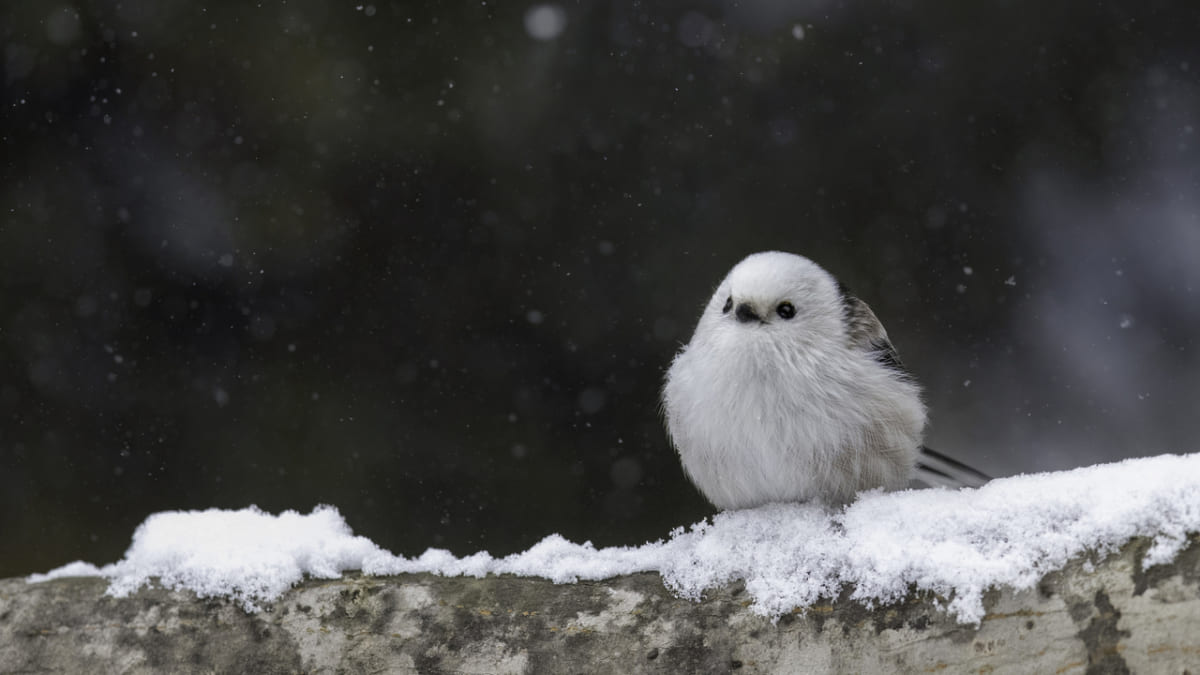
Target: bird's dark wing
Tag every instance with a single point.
(937, 470)
(866, 333)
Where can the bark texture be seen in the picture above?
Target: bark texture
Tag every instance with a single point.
(1096, 616)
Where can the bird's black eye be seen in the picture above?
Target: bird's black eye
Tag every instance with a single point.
(785, 310)
(728, 305)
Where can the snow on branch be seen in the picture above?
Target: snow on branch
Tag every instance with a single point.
(956, 544)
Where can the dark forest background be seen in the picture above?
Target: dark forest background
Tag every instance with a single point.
(428, 262)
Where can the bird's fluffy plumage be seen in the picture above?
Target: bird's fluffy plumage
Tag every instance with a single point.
(764, 408)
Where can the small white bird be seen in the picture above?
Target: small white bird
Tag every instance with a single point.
(791, 391)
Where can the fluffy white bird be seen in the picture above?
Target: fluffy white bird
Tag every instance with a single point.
(791, 391)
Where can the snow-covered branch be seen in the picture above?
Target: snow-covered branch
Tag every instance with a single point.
(1107, 612)
(1040, 573)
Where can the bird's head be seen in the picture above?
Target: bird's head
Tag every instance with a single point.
(776, 294)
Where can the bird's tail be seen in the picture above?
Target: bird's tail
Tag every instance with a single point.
(937, 470)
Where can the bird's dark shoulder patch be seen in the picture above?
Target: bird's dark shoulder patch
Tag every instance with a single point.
(865, 332)
(884, 353)
(862, 327)
(847, 300)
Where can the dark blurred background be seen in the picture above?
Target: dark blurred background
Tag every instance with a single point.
(428, 262)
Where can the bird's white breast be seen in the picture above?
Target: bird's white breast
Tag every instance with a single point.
(756, 421)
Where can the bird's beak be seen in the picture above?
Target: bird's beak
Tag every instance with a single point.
(745, 313)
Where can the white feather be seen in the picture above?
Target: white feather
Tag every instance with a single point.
(783, 410)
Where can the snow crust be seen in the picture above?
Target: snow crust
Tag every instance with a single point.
(957, 544)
